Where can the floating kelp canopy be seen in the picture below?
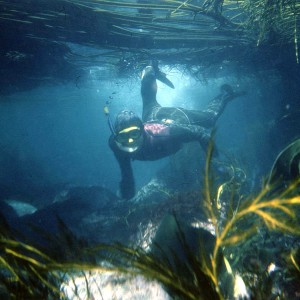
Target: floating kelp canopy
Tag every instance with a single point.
(190, 33)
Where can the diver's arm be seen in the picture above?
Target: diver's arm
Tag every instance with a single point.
(127, 185)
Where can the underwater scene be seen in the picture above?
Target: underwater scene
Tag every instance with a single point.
(149, 149)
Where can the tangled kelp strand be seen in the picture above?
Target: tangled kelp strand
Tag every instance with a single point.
(277, 212)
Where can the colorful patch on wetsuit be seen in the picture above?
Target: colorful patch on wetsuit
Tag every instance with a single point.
(157, 129)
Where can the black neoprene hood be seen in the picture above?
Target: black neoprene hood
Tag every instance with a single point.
(126, 119)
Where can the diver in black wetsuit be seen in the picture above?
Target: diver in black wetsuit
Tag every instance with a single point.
(163, 130)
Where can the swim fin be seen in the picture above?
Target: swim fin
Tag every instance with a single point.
(163, 78)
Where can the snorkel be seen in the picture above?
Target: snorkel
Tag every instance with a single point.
(107, 114)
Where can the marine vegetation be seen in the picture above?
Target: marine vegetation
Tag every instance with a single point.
(277, 212)
(200, 35)
(203, 272)
(189, 262)
(26, 272)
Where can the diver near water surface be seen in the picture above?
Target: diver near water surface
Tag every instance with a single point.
(163, 130)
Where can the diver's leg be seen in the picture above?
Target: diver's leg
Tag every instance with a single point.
(148, 92)
(188, 133)
(209, 116)
(172, 114)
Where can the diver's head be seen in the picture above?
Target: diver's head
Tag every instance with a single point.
(128, 131)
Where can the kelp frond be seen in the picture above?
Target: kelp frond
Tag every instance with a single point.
(293, 258)
(277, 212)
(26, 272)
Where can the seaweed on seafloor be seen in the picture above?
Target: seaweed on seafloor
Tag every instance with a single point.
(28, 273)
(295, 260)
(268, 211)
(182, 278)
(63, 245)
(25, 272)
(271, 210)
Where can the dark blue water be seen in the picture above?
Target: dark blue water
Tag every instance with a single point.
(58, 134)
(62, 61)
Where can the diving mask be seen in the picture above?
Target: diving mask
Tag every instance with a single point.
(129, 139)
